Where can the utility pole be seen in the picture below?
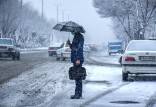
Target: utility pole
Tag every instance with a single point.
(57, 13)
(68, 17)
(137, 18)
(21, 4)
(42, 8)
(155, 29)
(62, 15)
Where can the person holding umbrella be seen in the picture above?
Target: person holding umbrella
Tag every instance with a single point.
(76, 50)
(77, 59)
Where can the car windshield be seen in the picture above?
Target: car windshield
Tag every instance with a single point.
(115, 47)
(6, 41)
(142, 45)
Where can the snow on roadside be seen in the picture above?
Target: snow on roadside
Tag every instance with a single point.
(34, 87)
(47, 86)
(136, 92)
(103, 57)
(106, 59)
(99, 80)
(33, 50)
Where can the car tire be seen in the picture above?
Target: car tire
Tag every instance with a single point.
(124, 76)
(57, 58)
(50, 54)
(13, 57)
(18, 57)
(63, 59)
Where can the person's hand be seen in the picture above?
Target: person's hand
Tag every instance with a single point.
(78, 62)
(68, 42)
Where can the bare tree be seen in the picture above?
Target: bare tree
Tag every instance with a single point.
(9, 11)
(134, 16)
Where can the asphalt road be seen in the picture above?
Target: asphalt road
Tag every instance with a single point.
(34, 87)
(10, 69)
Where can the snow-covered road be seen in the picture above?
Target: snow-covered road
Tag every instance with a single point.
(34, 87)
(47, 85)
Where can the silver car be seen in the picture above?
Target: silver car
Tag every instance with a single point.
(9, 49)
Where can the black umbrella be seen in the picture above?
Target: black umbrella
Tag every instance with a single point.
(69, 27)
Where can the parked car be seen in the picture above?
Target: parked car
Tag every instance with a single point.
(64, 52)
(9, 48)
(139, 58)
(53, 48)
(87, 50)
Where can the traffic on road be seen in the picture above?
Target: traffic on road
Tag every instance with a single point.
(77, 53)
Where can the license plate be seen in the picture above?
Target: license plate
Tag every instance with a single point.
(147, 58)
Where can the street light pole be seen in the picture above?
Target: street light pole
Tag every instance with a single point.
(137, 18)
(155, 28)
(42, 8)
(62, 15)
(57, 13)
(21, 4)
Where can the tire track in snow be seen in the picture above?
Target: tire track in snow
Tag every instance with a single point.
(152, 101)
(109, 91)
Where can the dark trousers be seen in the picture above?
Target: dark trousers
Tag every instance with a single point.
(78, 83)
(78, 88)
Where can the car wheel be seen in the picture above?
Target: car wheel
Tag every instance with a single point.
(13, 57)
(124, 76)
(50, 54)
(57, 58)
(18, 57)
(63, 59)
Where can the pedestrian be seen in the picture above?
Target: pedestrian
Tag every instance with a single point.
(77, 59)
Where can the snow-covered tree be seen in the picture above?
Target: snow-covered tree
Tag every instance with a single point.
(134, 16)
(24, 23)
(9, 17)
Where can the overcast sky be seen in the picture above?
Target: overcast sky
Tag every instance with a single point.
(80, 11)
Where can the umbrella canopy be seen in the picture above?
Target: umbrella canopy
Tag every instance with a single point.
(69, 27)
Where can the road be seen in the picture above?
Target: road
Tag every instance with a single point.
(40, 81)
(10, 69)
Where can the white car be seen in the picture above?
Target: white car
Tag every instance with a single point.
(139, 58)
(53, 48)
(86, 51)
(9, 49)
(63, 52)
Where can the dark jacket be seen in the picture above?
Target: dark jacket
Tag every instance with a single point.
(77, 48)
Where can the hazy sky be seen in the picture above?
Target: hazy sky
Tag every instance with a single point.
(81, 11)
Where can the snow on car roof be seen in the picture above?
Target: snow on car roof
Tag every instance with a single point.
(56, 44)
(141, 45)
(7, 38)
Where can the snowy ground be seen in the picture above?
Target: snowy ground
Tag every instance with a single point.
(34, 87)
(47, 85)
(103, 57)
(33, 50)
(38, 86)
